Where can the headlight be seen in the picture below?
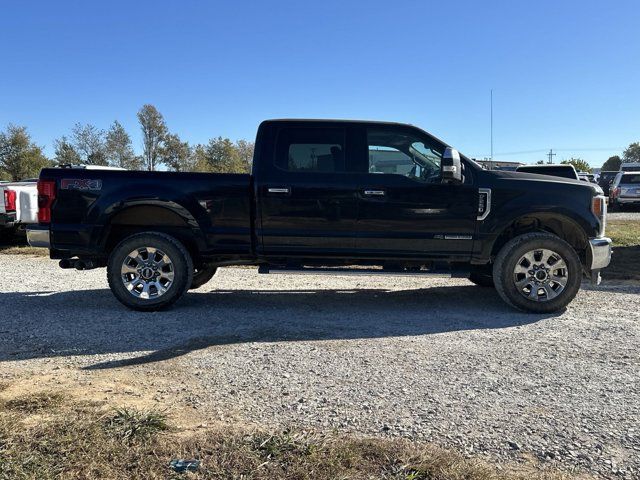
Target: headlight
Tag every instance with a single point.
(599, 209)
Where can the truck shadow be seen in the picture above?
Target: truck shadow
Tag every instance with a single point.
(92, 322)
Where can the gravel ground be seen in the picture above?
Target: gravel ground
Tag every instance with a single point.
(432, 359)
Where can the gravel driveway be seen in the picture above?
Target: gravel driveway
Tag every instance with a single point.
(433, 359)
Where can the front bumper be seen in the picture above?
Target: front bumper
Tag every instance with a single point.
(628, 200)
(38, 236)
(600, 253)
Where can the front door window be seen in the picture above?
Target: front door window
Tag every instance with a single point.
(404, 154)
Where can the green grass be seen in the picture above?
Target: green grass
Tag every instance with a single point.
(71, 440)
(132, 425)
(624, 233)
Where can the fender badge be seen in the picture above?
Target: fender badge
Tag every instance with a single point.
(80, 184)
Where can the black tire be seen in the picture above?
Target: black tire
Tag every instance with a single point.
(202, 275)
(505, 266)
(181, 267)
(482, 279)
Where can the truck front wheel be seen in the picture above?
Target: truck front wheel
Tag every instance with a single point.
(537, 272)
(149, 271)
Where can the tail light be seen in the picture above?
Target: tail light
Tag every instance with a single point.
(599, 209)
(46, 196)
(9, 200)
(615, 192)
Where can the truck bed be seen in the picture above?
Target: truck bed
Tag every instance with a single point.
(91, 206)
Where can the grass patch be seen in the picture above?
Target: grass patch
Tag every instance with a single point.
(34, 403)
(625, 261)
(80, 441)
(624, 233)
(131, 425)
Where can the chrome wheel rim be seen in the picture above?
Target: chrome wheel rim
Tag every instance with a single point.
(147, 273)
(540, 275)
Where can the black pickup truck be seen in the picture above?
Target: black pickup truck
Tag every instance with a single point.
(329, 196)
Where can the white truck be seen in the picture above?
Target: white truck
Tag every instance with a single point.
(18, 205)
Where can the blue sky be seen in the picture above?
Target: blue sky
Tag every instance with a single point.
(565, 74)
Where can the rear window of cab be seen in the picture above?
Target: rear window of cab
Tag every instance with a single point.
(630, 179)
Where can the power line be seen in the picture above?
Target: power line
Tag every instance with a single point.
(544, 150)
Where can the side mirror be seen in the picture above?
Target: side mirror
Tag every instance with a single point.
(450, 168)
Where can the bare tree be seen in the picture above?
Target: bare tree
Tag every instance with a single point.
(88, 141)
(154, 130)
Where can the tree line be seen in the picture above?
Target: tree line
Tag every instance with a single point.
(86, 144)
(21, 157)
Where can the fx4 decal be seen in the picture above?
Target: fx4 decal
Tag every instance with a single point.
(80, 184)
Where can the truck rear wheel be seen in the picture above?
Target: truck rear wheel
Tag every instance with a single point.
(537, 272)
(149, 271)
(202, 275)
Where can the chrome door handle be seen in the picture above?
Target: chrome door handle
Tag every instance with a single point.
(377, 193)
(278, 190)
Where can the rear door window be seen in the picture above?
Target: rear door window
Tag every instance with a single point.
(311, 150)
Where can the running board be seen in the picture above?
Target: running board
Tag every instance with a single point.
(276, 270)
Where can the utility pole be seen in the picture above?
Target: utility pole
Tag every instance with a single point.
(550, 155)
(491, 163)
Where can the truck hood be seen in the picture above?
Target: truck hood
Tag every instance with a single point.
(551, 181)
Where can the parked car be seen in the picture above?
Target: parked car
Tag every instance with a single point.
(625, 190)
(604, 180)
(325, 196)
(26, 203)
(564, 171)
(586, 177)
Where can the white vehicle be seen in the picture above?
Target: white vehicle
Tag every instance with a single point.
(20, 204)
(625, 190)
(92, 167)
(630, 167)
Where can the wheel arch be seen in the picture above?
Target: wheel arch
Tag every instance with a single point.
(166, 217)
(555, 223)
